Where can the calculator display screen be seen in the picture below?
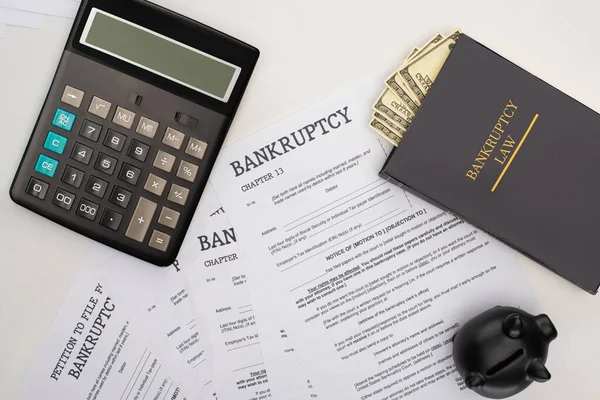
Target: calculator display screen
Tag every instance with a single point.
(159, 54)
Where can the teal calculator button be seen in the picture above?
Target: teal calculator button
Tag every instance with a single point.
(46, 165)
(64, 119)
(55, 143)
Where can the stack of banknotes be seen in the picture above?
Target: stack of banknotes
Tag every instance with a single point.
(407, 87)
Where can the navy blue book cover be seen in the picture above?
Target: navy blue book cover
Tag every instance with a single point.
(512, 155)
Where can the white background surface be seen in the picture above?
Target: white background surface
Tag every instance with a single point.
(310, 48)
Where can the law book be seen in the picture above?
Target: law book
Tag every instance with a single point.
(513, 156)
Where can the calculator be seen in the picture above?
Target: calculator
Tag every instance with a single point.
(132, 125)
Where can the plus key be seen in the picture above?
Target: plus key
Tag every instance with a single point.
(140, 221)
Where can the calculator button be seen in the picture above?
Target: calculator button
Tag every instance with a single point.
(138, 150)
(115, 140)
(147, 127)
(123, 117)
(155, 185)
(111, 220)
(64, 119)
(73, 176)
(72, 96)
(46, 165)
(186, 120)
(169, 218)
(55, 143)
(159, 241)
(173, 138)
(164, 161)
(106, 164)
(37, 188)
(99, 107)
(136, 99)
(63, 199)
(140, 222)
(130, 174)
(82, 153)
(90, 130)
(178, 195)
(187, 171)
(196, 148)
(96, 186)
(87, 209)
(120, 197)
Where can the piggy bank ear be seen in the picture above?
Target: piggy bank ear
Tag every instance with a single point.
(474, 380)
(547, 327)
(512, 326)
(537, 371)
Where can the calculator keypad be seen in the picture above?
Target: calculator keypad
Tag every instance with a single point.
(111, 219)
(121, 197)
(147, 127)
(99, 107)
(82, 153)
(96, 187)
(196, 148)
(155, 185)
(115, 140)
(64, 199)
(123, 117)
(120, 164)
(140, 222)
(37, 188)
(138, 150)
(164, 161)
(72, 96)
(130, 174)
(106, 164)
(90, 130)
(87, 209)
(73, 177)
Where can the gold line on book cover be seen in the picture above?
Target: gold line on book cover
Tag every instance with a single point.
(515, 153)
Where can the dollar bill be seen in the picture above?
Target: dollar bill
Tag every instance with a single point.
(401, 91)
(385, 132)
(398, 130)
(394, 109)
(413, 53)
(400, 83)
(420, 72)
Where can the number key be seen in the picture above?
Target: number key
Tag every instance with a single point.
(63, 199)
(87, 209)
(82, 153)
(37, 188)
(120, 197)
(97, 187)
(115, 140)
(73, 176)
(130, 174)
(90, 130)
(106, 164)
(138, 150)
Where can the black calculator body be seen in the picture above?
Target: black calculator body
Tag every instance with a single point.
(132, 125)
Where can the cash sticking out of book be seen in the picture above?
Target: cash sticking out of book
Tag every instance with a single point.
(407, 87)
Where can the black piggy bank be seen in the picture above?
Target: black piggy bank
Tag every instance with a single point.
(501, 352)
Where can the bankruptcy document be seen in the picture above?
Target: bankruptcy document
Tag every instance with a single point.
(215, 270)
(160, 303)
(96, 351)
(369, 282)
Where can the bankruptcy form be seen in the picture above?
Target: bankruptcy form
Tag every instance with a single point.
(369, 282)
